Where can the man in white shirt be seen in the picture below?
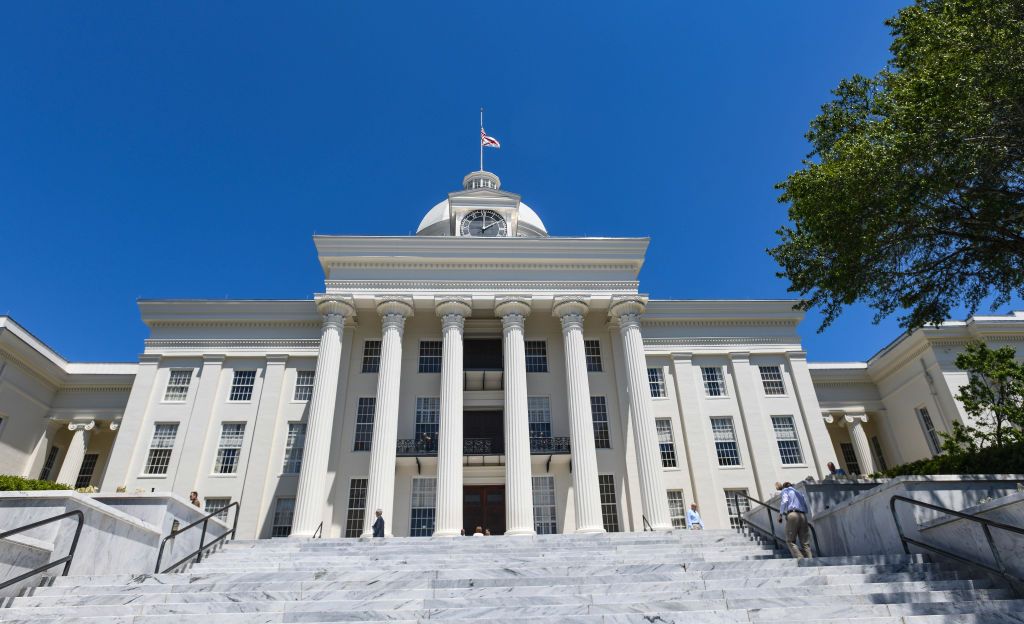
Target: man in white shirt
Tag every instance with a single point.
(693, 521)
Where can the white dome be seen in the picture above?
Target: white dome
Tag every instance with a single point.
(439, 214)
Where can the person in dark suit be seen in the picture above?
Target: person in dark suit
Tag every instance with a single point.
(378, 524)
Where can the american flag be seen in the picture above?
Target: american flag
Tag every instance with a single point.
(488, 141)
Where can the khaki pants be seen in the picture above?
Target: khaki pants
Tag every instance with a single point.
(798, 535)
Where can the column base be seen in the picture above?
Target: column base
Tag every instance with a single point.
(589, 530)
(369, 535)
(521, 532)
(447, 533)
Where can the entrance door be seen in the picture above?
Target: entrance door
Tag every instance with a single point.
(483, 506)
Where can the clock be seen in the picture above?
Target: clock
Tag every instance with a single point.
(484, 223)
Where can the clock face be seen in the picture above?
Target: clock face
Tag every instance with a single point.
(484, 223)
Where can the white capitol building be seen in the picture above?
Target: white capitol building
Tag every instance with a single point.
(479, 373)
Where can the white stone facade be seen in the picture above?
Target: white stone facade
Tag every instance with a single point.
(455, 378)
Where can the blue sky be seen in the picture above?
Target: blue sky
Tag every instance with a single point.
(165, 150)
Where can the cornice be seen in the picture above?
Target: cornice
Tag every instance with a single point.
(275, 345)
(232, 323)
(107, 388)
(417, 265)
(648, 322)
(434, 286)
(682, 344)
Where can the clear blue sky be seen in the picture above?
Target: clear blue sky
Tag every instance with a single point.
(165, 150)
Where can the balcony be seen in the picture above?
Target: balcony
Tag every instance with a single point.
(482, 379)
(482, 446)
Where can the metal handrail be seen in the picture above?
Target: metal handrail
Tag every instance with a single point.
(646, 524)
(984, 522)
(65, 560)
(198, 553)
(319, 533)
(770, 532)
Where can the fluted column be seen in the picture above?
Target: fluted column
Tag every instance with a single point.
(380, 488)
(859, 438)
(311, 493)
(645, 434)
(76, 452)
(518, 475)
(586, 492)
(453, 312)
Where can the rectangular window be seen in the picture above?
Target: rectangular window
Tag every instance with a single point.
(737, 506)
(609, 506)
(725, 442)
(666, 443)
(364, 423)
(656, 377)
(771, 379)
(931, 436)
(241, 385)
(51, 459)
(428, 417)
(536, 356)
(177, 385)
(371, 357)
(850, 458)
(544, 521)
(677, 509)
(284, 510)
(592, 349)
(293, 447)
(230, 448)
(85, 472)
(599, 410)
(356, 508)
(424, 503)
(213, 504)
(539, 415)
(304, 385)
(430, 356)
(714, 383)
(876, 448)
(160, 449)
(789, 443)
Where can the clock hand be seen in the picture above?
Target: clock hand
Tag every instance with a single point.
(487, 226)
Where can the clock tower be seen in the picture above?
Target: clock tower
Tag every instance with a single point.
(482, 209)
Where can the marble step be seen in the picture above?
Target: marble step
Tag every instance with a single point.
(661, 602)
(603, 614)
(342, 591)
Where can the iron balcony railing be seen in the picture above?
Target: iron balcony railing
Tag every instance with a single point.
(427, 447)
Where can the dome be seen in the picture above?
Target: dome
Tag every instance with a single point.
(437, 220)
(439, 214)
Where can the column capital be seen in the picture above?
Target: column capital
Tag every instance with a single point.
(277, 359)
(82, 425)
(115, 424)
(453, 306)
(852, 419)
(627, 309)
(400, 305)
(513, 306)
(572, 305)
(334, 308)
(828, 417)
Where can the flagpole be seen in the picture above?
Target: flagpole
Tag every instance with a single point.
(481, 138)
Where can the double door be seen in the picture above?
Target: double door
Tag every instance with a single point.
(483, 506)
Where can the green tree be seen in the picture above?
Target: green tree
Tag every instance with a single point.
(994, 398)
(912, 197)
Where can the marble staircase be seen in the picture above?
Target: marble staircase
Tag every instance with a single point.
(692, 577)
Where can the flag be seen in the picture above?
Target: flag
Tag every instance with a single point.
(487, 141)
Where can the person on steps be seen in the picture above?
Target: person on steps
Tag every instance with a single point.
(378, 524)
(794, 509)
(693, 521)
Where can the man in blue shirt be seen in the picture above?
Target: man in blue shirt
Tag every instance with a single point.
(693, 521)
(794, 509)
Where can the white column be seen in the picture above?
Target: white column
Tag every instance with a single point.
(380, 487)
(76, 452)
(820, 441)
(310, 495)
(518, 475)
(453, 312)
(859, 438)
(645, 433)
(586, 492)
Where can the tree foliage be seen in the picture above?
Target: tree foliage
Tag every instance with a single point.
(912, 197)
(993, 398)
